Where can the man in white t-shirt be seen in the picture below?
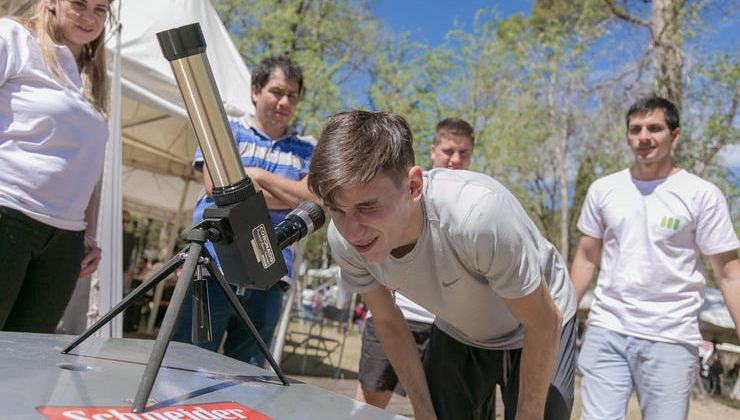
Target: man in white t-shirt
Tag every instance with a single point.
(647, 226)
(460, 245)
(452, 148)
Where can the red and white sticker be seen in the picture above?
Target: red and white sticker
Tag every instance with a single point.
(214, 411)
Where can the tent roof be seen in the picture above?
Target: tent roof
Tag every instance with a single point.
(146, 74)
(162, 197)
(156, 141)
(16, 7)
(156, 134)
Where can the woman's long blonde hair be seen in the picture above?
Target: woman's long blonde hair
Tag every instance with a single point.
(92, 60)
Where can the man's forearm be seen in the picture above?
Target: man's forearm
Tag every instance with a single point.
(537, 363)
(273, 202)
(585, 262)
(581, 273)
(282, 190)
(727, 273)
(401, 350)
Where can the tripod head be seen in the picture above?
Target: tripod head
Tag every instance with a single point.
(246, 245)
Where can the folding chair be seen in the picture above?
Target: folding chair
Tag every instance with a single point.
(323, 347)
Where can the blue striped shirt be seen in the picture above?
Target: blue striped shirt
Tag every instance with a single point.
(289, 157)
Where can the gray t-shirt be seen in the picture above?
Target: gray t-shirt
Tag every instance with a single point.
(477, 246)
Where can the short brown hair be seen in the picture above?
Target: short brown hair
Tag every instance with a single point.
(263, 70)
(456, 126)
(355, 146)
(649, 104)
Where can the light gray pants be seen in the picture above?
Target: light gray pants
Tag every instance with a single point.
(612, 363)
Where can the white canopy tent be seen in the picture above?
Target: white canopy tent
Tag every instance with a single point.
(148, 162)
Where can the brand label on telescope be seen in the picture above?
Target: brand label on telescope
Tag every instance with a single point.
(261, 245)
(215, 411)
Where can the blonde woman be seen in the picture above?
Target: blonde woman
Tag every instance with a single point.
(53, 129)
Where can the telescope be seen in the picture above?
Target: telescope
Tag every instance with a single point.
(238, 225)
(247, 246)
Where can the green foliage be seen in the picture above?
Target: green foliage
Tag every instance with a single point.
(545, 91)
(402, 80)
(712, 110)
(332, 40)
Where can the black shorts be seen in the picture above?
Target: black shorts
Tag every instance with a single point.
(462, 378)
(376, 373)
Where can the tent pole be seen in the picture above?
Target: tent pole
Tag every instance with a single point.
(106, 286)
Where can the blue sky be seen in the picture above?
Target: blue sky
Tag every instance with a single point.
(430, 20)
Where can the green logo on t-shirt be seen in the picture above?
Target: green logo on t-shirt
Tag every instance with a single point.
(669, 222)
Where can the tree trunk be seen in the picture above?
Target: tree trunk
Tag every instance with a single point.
(560, 151)
(666, 44)
(559, 134)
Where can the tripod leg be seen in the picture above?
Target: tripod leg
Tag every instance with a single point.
(168, 326)
(215, 272)
(152, 281)
(200, 323)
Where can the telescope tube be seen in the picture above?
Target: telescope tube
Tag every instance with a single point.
(185, 47)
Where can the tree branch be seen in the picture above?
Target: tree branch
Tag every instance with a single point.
(621, 13)
(723, 137)
(639, 70)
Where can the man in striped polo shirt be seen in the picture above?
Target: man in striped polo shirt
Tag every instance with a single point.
(277, 161)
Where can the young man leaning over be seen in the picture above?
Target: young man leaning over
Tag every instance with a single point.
(459, 244)
(452, 147)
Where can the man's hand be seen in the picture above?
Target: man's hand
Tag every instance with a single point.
(92, 258)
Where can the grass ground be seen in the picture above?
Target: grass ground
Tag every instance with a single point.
(316, 366)
(308, 357)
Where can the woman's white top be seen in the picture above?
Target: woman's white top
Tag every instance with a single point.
(52, 140)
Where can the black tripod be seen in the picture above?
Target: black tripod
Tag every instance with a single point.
(192, 258)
